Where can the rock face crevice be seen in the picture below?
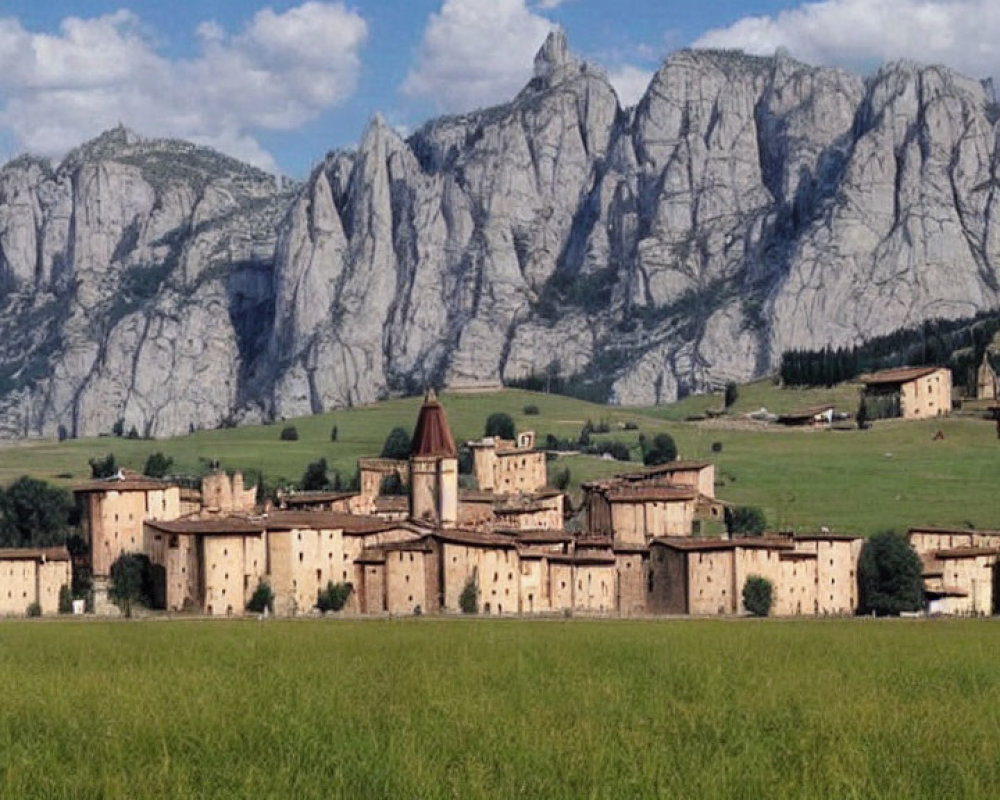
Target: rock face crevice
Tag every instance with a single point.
(744, 206)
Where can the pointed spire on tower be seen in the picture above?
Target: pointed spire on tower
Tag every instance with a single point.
(432, 436)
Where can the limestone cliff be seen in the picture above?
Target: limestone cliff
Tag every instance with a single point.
(744, 206)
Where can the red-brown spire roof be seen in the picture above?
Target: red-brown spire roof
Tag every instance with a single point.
(432, 436)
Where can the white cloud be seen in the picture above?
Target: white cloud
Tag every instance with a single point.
(630, 83)
(964, 34)
(277, 73)
(476, 52)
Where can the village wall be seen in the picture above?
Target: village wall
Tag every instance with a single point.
(631, 569)
(668, 581)
(796, 592)
(406, 581)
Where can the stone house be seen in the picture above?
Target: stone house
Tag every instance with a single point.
(960, 569)
(986, 379)
(32, 575)
(506, 467)
(907, 392)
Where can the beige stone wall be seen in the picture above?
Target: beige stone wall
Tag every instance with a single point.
(423, 489)
(519, 471)
(374, 470)
(405, 581)
(52, 576)
(223, 571)
(544, 513)
(595, 588)
(372, 588)
(114, 521)
(711, 582)
(635, 523)
(560, 586)
(836, 573)
(223, 494)
(484, 467)
(18, 586)
(975, 576)
(494, 569)
(534, 585)
(701, 479)
(749, 561)
(598, 513)
(447, 491)
(795, 594)
(929, 396)
(475, 514)
(631, 583)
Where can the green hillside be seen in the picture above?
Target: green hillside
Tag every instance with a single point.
(894, 475)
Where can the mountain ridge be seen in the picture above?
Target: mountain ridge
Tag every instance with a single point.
(745, 206)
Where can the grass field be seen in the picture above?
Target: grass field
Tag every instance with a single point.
(894, 475)
(467, 708)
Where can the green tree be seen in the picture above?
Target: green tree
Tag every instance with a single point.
(127, 581)
(732, 393)
(500, 424)
(333, 433)
(392, 485)
(745, 521)
(468, 602)
(118, 429)
(619, 451)
(531, 410)
(262, 598)
(157, 465)
(65, 600)
(105, 467)
(315, 477)
(890, 576)
(862, 416)
(334, 597)
(663, 450)
(397, 444)
(133, 433)
(34, 610)
(758, 595)
(33, 514)
(289, 434)
(562, 479)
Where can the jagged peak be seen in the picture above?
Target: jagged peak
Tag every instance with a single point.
(553, 54)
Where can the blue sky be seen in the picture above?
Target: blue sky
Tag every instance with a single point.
(281, 83)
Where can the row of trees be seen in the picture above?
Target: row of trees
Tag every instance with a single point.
(959, 343)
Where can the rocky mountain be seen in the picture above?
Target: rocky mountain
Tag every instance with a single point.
(745, 206)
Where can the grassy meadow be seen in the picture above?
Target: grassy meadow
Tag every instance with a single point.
(894, 475)
(476, 708)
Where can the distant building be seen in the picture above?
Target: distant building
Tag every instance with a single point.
(960, 569)
(30, 575)
(908, 392)
(986, 379)
(816, 415)
(504, 466)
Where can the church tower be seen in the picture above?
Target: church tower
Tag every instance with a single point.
(433, 467)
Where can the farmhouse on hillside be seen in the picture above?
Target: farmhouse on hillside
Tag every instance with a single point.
(907, 392)
(986, 379)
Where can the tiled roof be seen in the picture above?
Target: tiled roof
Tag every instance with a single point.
(747, 542)
(125, 481)
(642, 494)
(34, 554)
(947, 591)
(208, 526)
(432, 436)
(967, 552)
(308, 498)
(329, 520)
(898, 375)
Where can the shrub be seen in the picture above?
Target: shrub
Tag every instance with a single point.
(103, 467)
(501, 425)
(34, 610)
(562, 479)
(133, 433)
(620, 452)
(758, 594)
(745, 520)
(262, 598)
(65, 600)
(397, 444)
(334, 597)
(602, 426)
(118, 429)
(662, 451)
(889, 576)
(392, 485)
(289, 434)
(631, 426)
(315, 477)
(531, 410)
(157, 465)
(129, 578)
(862, 416)
(716, 447)
(467, 600)
(333, 434)
(732, 394)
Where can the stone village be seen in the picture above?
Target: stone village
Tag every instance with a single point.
(645, 542)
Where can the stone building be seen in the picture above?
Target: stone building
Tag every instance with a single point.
(960, 569)
(506, 467)
(908, 392)
(32, 575)
(811, 575)
(986, 379)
